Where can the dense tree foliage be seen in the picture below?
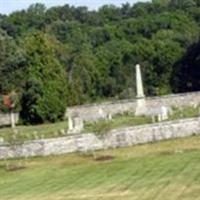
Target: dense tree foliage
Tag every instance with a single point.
(44, 94)
(69, 55)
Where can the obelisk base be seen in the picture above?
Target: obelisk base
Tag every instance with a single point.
(140, 107)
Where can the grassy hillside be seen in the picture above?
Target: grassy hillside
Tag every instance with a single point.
(167, 170)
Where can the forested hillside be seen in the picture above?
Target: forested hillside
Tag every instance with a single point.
(66, 55)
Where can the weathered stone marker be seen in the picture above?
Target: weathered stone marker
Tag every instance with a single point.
(141, 104)
(159, 113)
(1, 140)
(75, 125)
(12, 119)
(70, 124)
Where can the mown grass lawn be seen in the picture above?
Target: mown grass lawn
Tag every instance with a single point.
(162, 171)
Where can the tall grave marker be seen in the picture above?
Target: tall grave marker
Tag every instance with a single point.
(141, 104)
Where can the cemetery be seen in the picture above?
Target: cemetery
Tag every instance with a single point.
(100, 102)
(153, 119)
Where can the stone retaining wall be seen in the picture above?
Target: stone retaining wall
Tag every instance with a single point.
(93, 112)
(116, 138)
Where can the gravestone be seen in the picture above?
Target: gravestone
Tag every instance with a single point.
(159, 113)
(1, 140)
(75, 125)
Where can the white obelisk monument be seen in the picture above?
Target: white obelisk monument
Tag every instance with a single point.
(141, 104)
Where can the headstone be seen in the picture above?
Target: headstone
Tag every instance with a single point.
(1, 140)
(12, 119)
(102, 114)
(76, 125)
(70, 123)
(109, 116)
(159, 117)
(164, 112)
(161, 113)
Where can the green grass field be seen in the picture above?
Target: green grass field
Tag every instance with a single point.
(162, 171)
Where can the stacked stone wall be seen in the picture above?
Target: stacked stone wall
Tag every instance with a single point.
(123, 137)
(94, 112)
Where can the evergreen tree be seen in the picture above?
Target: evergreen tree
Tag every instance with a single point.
(44, 96)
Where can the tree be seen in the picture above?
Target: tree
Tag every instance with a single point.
(44, 96)
(12, 64)
(186, 74)
(35, 16)
(182, 4)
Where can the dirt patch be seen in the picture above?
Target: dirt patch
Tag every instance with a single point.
(104, 158)
(165, 153)
(12, 168)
